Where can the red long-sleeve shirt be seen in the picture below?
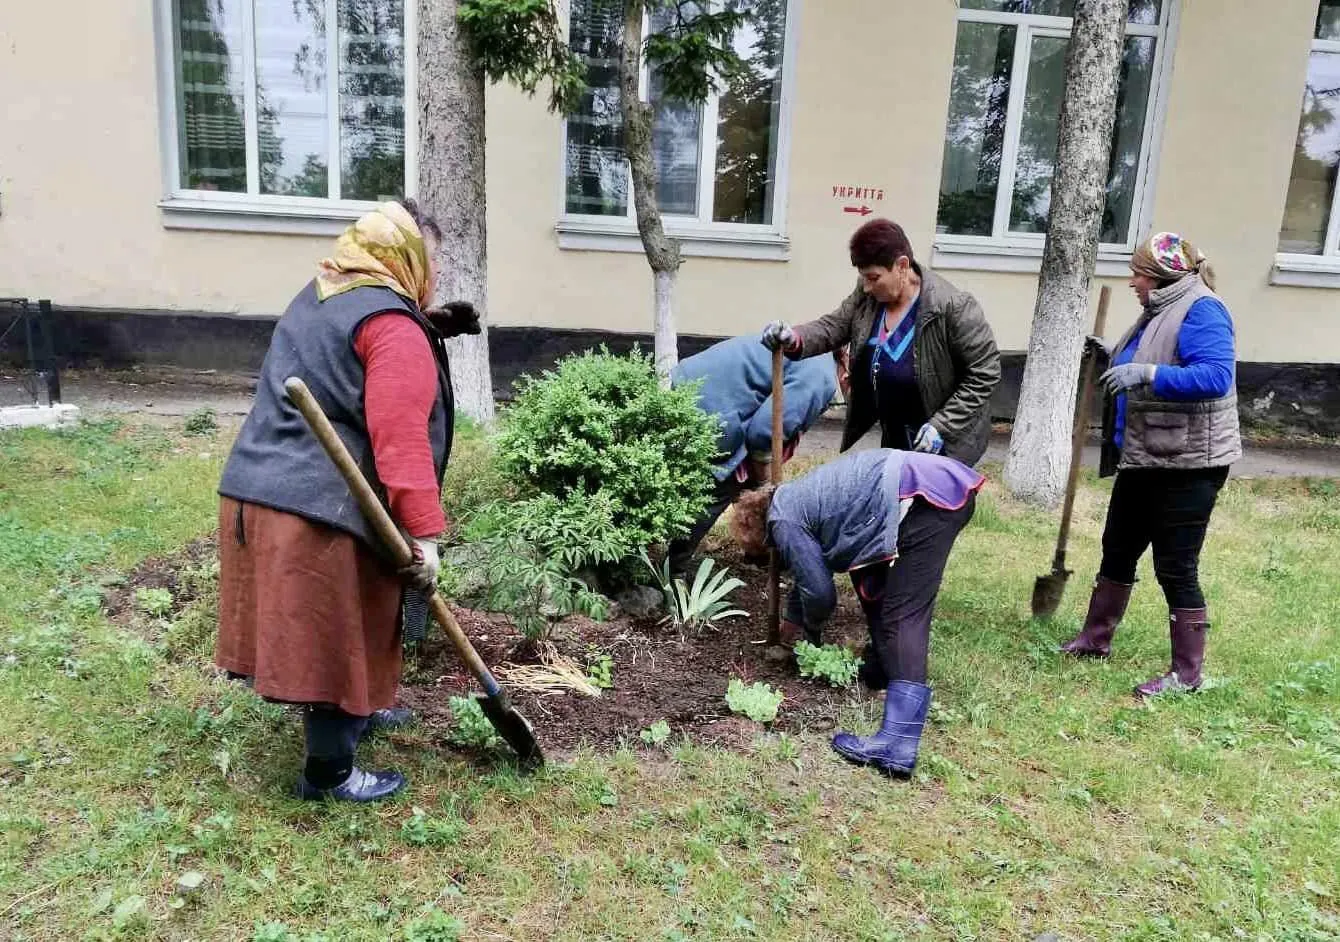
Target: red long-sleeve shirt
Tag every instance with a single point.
(400, 387)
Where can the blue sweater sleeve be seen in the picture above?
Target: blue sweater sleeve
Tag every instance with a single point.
(813, 595)
(1205, 347)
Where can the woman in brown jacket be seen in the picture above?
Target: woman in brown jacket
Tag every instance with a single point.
(923, 358)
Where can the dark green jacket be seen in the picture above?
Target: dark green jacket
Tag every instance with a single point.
(957, 363)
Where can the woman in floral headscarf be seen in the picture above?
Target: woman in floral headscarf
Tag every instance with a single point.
(1170, 432)
(309, 608)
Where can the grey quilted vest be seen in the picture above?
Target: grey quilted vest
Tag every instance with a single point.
(277, 461)
(1161, 433)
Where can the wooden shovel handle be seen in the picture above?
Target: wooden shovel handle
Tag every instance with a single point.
(1081, 429)
(775, 474)
(381, 522)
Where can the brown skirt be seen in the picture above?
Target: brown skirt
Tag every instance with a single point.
(307, 610)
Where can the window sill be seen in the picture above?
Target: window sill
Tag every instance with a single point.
(1112, 263)
(181, 212)
(696, 243)
(1306, 271)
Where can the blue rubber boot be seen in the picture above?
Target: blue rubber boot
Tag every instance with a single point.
(893, 749)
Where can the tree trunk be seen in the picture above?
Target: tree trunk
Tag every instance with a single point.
(451, 188)
(662, 251)
(1040, 443)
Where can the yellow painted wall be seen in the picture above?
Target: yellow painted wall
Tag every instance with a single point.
(80, 180)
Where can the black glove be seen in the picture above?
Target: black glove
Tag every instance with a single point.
(1095, 349)
(458, 317)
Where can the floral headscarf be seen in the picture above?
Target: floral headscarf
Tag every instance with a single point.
(1169, 257)
(385, 249)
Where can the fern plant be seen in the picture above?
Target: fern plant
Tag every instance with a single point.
(701, 604)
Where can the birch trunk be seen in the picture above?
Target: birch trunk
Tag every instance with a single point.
(1039, 454)
(451, 188)
(662, 251)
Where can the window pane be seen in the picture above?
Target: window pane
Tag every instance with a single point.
(975, 135)
(1307, 206)
(1142, 11)
(747, 118)
(209, 82)
(676, 135)
(291, 97)
(1030, 203)
(372, 99)
(675, 143)
(1031, 200)
(1328, 20)
(597, 176)
(1134, 85)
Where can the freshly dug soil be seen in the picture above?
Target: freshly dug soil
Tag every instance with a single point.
(658, 675)
(160, 572)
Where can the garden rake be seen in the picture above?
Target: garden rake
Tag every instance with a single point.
(1048, 589)
(514, 728)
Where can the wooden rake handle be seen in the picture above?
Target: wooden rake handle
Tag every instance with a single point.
(381, 522)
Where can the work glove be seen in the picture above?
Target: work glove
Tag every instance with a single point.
(1128, 376)
(422, 570)
(929, 440)
(779, 334)
(455, 318)
(1095, 347)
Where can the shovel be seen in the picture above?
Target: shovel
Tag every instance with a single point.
(774, 561)
(1048, 589)
(511, 726)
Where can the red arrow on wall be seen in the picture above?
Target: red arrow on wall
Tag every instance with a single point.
(858, 210)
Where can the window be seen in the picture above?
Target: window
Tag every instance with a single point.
(1311, 225)
(719, 164)
(1006, 89)
(286, 104)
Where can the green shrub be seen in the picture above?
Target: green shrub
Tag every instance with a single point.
(154, 602)
(757, 701)
(831, 662)
(622, 457)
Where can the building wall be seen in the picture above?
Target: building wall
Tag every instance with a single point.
(80, 179)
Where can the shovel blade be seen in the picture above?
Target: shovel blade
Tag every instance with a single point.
(514, 728)
(1047, 593)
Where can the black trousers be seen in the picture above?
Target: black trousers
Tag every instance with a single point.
(1169, 510)
(332, 737)
(724, 494)
(899, 599)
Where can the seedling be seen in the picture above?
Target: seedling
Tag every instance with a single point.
(758, 701)
(830, 662)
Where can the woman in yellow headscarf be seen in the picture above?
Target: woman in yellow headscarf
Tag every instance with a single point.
(309, 609)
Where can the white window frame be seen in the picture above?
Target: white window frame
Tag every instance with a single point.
(698, 235)
(184, 208)
(1314, 271)
(1004, 250)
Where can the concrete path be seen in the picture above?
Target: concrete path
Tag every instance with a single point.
(168, 395)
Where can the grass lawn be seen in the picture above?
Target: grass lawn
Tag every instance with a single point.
(1047, 800)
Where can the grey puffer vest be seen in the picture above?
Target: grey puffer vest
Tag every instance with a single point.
(1162, 433)
(277, 461)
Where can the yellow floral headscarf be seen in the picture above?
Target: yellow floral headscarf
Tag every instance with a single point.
(383, 249)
